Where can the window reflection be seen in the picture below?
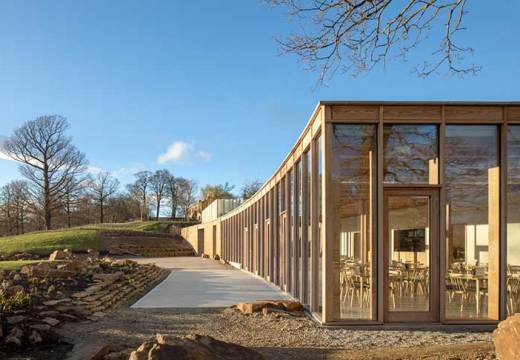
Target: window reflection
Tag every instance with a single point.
(472, 219)
(410, 154)
(353, 174)
(513, 221)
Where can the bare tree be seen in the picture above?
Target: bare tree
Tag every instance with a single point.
(173, 191)
(49, 160)
(158, 182)
(250, 188)
(210, 193)
(14, 204)
(187, 189)
(140, 188)
(356, 35)
(102, 188)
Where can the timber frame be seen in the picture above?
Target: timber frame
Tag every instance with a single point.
(295, 253)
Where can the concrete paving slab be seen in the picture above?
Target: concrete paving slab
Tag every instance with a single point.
(203, 283)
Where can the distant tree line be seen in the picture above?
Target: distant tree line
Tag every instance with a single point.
(57, 191)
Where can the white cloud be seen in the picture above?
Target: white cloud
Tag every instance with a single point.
(177, 151)
(94, 170)
(204, 155)
(180, 151)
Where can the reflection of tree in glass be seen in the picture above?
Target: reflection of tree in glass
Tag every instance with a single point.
(407, 152)
(470, 152)
(352, 146)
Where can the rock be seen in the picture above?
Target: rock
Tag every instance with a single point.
(123, 262)
(60, 255)
(40, 327)
(13, 320)
(39, 270)
(506, 338)
(108, 278)
(74, 265)
(192, 347)
(51, 302)
(110, 351)
(258, 306)
(35, 337)
(51, 321)
(92, 254)
(15, 337)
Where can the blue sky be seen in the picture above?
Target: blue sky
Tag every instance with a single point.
(203, 81)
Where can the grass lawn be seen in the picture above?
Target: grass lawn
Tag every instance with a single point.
(77, 239)
(16, 264)
(147, 226)
(45, 242)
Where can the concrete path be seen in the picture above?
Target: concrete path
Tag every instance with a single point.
(203, 283)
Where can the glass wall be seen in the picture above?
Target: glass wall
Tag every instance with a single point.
(353, 177)
(513, 220)
(410, 154)
(472, 222)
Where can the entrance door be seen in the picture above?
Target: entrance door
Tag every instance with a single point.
(411, 255)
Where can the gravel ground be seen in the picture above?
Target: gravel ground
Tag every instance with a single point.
(285, 338)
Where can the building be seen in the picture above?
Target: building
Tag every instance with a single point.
(389, 212)
(218, 208)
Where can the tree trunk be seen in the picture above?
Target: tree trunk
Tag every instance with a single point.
(46, 197)
(101, 213)
(157, 210)
(174, 211)
(143, 208)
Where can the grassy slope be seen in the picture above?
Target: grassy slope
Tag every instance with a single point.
(13, 265)
(76, 239)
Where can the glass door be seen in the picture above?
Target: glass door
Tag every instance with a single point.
(411, 255)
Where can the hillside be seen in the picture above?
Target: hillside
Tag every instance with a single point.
(139, 237)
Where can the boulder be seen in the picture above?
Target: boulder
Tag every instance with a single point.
(60, 255)
(506, 338)
(123, 262)
(259, 306)
(192, 347)
(74, 265)
(39, 270)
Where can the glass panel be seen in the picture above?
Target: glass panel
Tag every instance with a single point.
(298, 228)
(513, 220)
(307, 200)
(472, 219)
(408, 253)
(290, 233)
(318, 185)
(353, 174)
(410, 154)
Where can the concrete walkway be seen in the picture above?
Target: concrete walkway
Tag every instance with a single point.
(203, 283)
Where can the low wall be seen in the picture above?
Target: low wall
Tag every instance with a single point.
(204, 238)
